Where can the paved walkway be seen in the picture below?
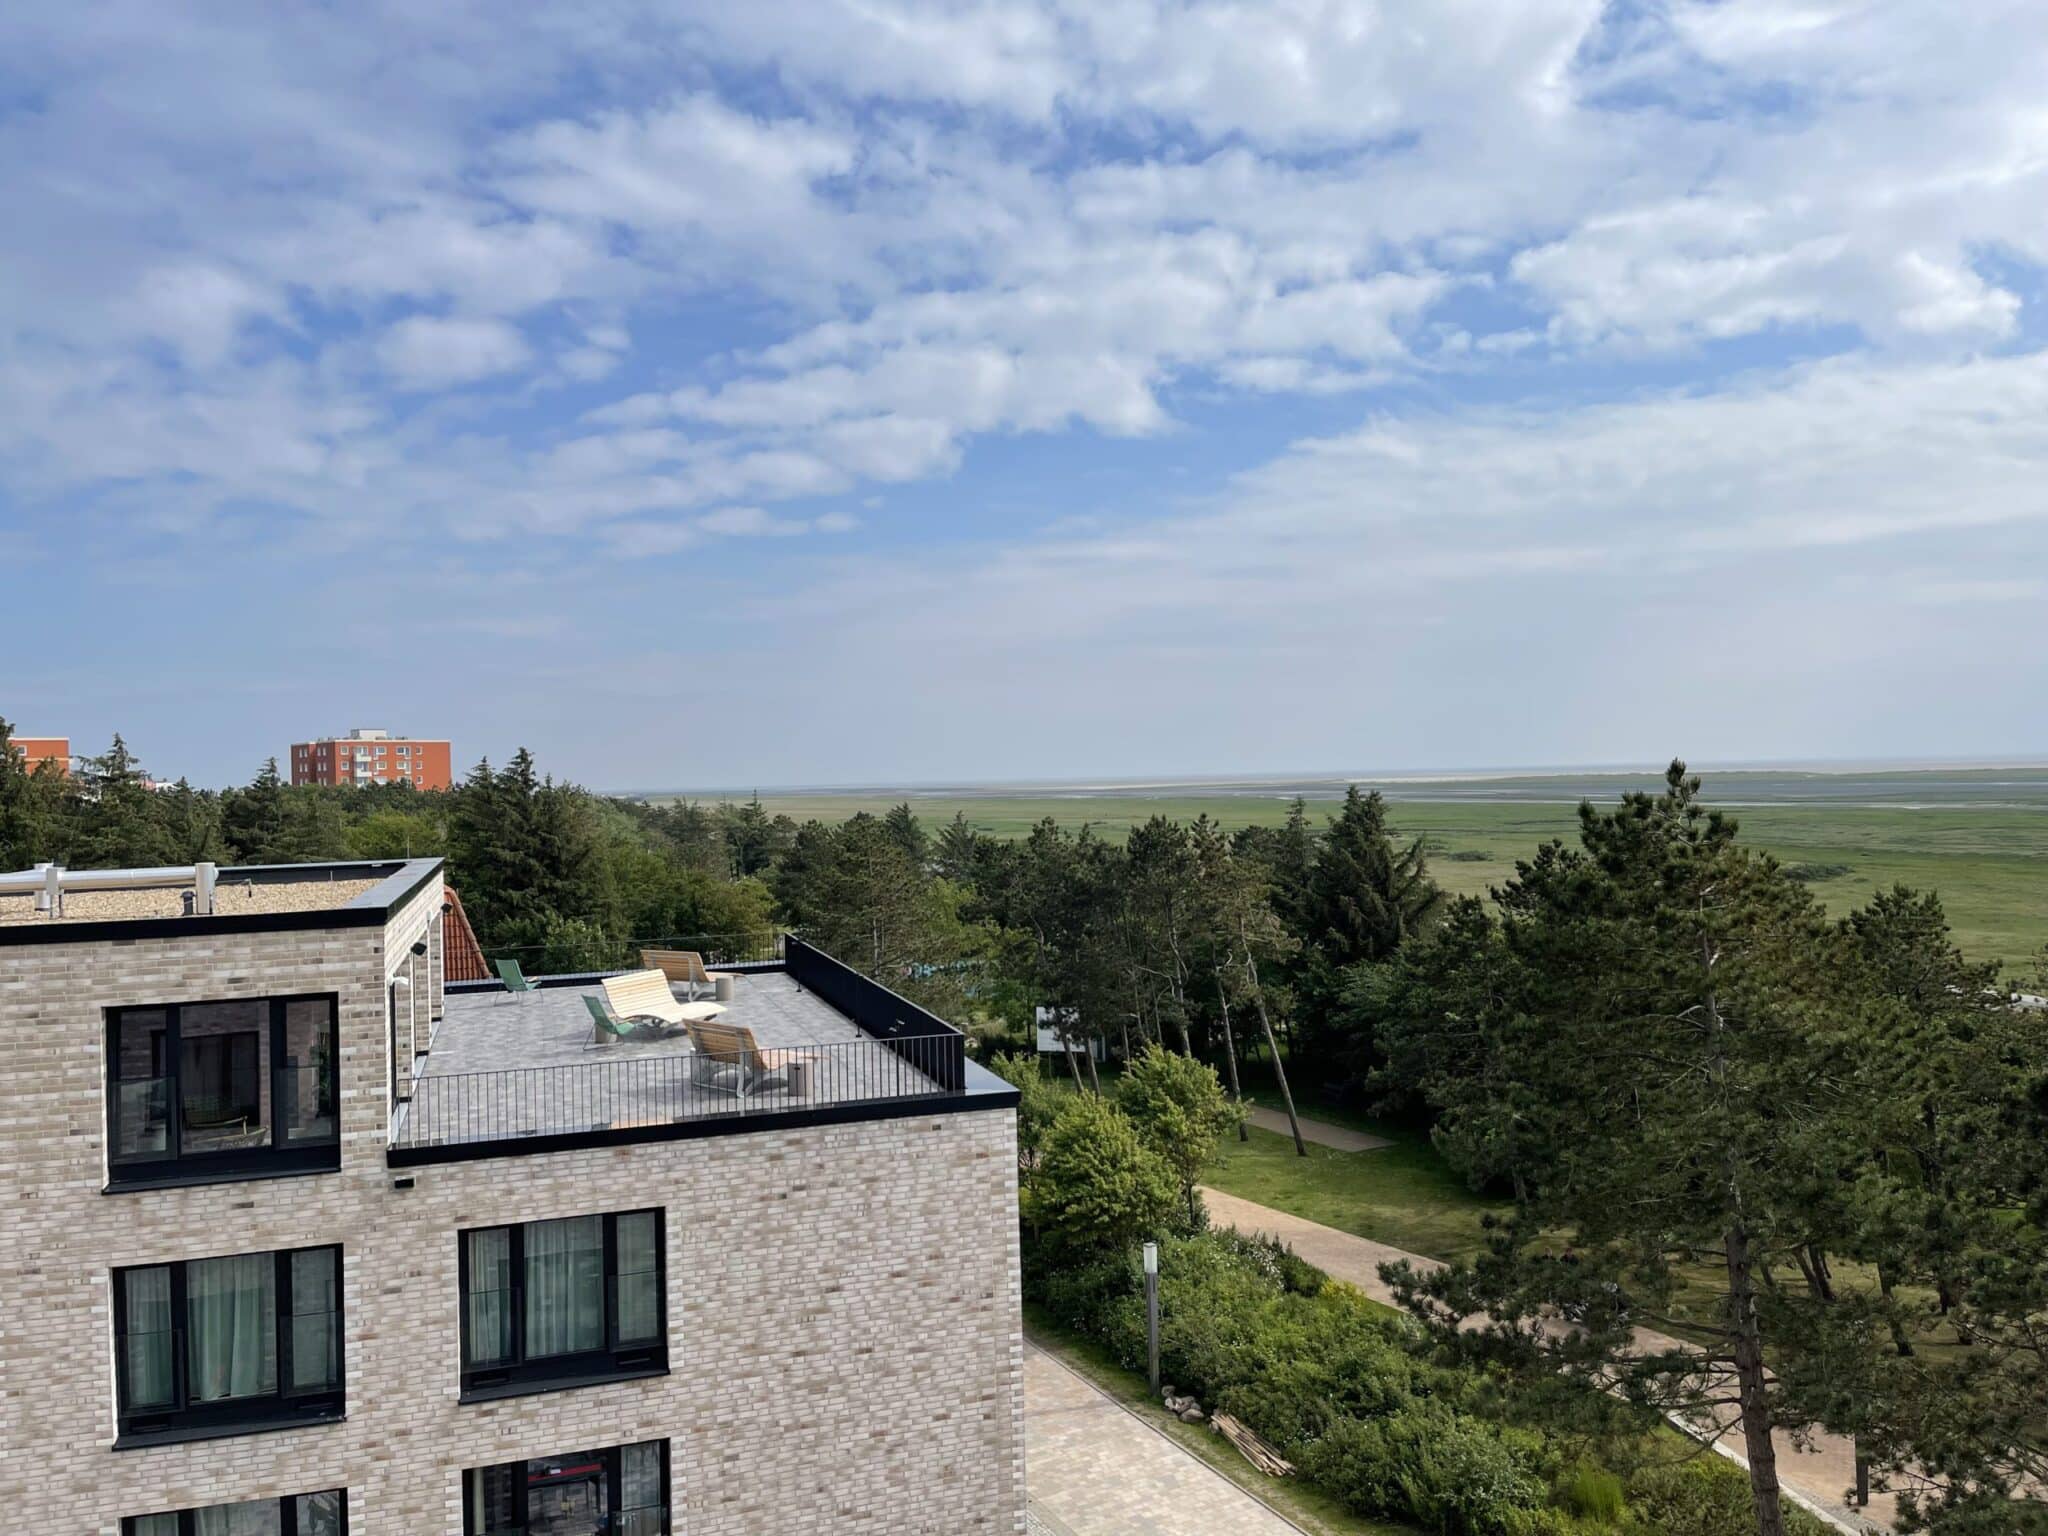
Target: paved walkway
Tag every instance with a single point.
(1819, 1475)
(1093, 1468)
(1343, 1138)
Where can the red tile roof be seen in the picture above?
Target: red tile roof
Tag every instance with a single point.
(462, 958)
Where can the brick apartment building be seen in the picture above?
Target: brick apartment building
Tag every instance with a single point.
(37, 750)
(372, 757)
(303, 1240)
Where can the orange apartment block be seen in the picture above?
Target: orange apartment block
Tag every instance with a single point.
(372, 757)
(37, 750)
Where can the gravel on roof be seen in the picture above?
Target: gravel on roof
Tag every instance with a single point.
(229, 899)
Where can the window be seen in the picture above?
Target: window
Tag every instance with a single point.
(197, 1089)
(622, 1491)
(305, 1514)
(562, 1303)
(226, 1345)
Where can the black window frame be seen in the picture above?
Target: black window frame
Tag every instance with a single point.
(615, 1361)
(183, 1419)
(287, 1514)
(614, 1472)
(174, 1165)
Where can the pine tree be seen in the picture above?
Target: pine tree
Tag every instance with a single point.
(752, 839)
(253, 819)
(958, 853)
(1677, 1017)
(1364, 896)
(905, 831)
(118, 822)
(474, 863)
(1949, 1198)
(193, 821)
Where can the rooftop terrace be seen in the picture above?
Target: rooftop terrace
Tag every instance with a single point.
(524, 1073)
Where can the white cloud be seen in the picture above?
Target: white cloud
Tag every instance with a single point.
(428, 352)
(199, 309)
(802, 249)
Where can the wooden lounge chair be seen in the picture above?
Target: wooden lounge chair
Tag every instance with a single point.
(645, 995)
(516, 984)
(685, 966)
(727, 1059)
(607, 1026)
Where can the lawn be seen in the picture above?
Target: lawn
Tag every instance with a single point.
(1402, 1194)
(1405, 1195)
(1314, 1511)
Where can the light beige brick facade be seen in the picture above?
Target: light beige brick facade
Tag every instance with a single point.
(844, 1333)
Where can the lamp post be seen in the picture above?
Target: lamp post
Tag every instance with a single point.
(1152, 1314)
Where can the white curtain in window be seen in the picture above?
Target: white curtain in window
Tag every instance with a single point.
(156, 1525)
(639, 1278)
(231, 1324)
(147, 1301)
(320, 1513)
(564, 1286)
(259, 1517)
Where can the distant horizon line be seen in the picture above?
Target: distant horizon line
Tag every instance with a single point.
(932, 788)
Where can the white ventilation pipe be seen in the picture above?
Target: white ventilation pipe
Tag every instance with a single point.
(53, 879)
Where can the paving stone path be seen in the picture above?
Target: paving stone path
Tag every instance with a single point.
(1343, 1138)
(1818, 1475)
(1095, 1469)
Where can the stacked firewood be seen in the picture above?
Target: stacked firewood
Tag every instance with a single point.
(1256, 1451)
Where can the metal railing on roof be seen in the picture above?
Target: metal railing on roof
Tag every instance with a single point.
(638, 1093)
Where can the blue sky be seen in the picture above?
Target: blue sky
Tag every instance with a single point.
(876, 391)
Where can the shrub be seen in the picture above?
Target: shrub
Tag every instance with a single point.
(1098, 1188)
(1707, 1496)
(1807, 874)
(1592, 1494)
(1452, 1475)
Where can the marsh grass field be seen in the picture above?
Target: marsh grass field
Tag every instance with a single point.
(1978, 836)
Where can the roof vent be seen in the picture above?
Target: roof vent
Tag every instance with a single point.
(50, 899)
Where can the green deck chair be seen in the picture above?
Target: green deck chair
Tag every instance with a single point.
(606, 1025)
(516, 984)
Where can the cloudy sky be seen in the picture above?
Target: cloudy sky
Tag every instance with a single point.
(829, 391)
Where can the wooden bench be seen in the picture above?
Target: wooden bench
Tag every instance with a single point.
(727, 1058)
(685, 966)
(645, 995)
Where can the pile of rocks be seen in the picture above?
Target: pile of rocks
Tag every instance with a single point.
(1186, 1409)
